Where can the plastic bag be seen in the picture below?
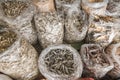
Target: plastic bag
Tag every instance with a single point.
(101, 30)
(20, 14)
(18, 58)
(4, 77)
(113, 51)
(60, 62)
(76, 24)
(95, 61)
(50, 28)
(94, 8)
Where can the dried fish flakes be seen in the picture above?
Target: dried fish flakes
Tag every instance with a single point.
(60, 61)
(13, 8)
(7, 38)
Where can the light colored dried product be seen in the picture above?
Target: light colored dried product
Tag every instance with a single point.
(95, 0)
(76, 24)
(50, 28)
(113, 8)
(60, 62)
(114, 52)
(95, 61)
(4, 77)
(98, 8)
(20, 14)
(101, 30)
(19, 58)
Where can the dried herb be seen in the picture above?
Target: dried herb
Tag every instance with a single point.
(60, 61)
(7, 38)
(13, 8)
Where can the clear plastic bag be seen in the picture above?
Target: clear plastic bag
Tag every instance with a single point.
(18, 58)
(95, 61)
(101, 30)
(4, 77)
(20, 14)
(94, 8)
(60, 62)
(76, 24)
(113, 51)
(50, 28)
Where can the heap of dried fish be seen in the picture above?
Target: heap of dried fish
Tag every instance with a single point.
(96, 63)
(61, 62)
(20, 14)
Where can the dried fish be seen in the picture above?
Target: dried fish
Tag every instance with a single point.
(96, 63)
(19, 13)
(50, 28)
(113, 51)
(60, 62)
(13, 8)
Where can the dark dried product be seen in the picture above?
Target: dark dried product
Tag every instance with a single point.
(4, 77)
(50, 28)
(61, 62)
(16, 54)
(114, 52)
(101, 30)
(75, 24)
(95, 61)
(20, 14)
(93, 8)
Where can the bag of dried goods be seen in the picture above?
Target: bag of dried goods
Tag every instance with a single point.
(113, 8)
(101, 30)
(114, 52)
(60, 62)
(76, 24)
(50, 27)
(96, 63)
(93, 7)
(4, 77)
(18, 58)
(20, 14)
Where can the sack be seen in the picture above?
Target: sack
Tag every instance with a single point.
(95, 61)
(94, 8)
(101, 30)
(4, 77)
(20, 14)
(113, 52)
(76, 24)
(60, 62)
(18, 58)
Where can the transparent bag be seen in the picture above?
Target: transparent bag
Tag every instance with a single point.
(19, 13)
(96, 63)
(113, 51)
(101, 30)
(4, 77)
(18, 58)
(60, 62)
(76, 24)
(93, 8)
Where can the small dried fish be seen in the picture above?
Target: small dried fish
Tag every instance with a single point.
(13, 8)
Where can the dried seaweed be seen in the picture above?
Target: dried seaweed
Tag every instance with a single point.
(13, 8)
